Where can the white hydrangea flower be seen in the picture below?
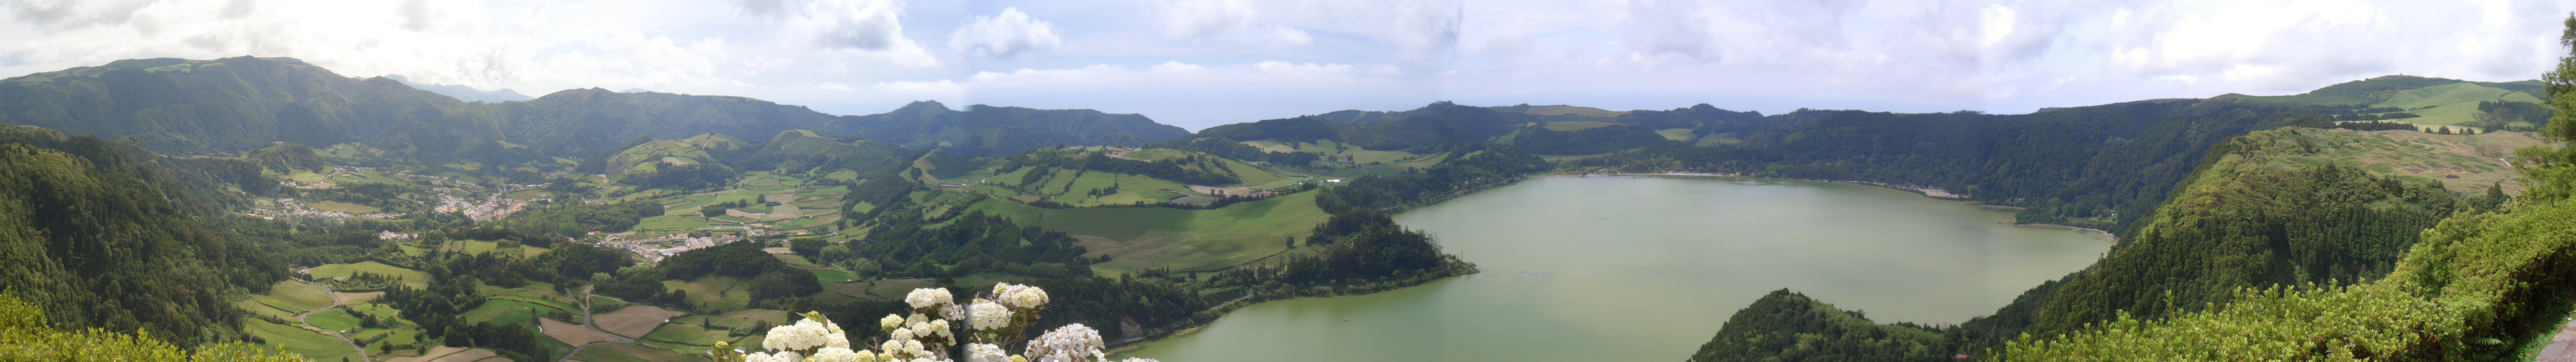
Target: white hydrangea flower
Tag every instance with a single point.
(891, 321)
(891, 348)
(953, 312)
(916, 318)
(987, 315)
(781, 356)
(800, 336)
(1020, 296)
(915, 347)
(981, 352)
(1134, 359)
(1071, 343)
(929, 297)
(940, 326)
(836, 339)
(834, 354)
(865, 355)
(902, 334)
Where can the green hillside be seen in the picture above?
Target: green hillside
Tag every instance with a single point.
(982, 129)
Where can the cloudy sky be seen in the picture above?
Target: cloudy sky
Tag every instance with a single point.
(1198, 63)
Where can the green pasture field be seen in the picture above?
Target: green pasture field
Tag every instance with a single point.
(720, 292)
(1176, 238)
(254, 305)
(508, 312)
(336, 206)
(600, 304)
(414, 278)
(2462, 163)
(366, 177)
(399, 336)
(295, 297)
(1676, 134)
(297, 340)
(666, 225)
(381, 310)
(1156, 154)
(333, 319)
(631, 352)
(1576, 125)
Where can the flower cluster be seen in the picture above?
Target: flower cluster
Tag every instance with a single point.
(813, 339)
(1071, 343)
(992, 321)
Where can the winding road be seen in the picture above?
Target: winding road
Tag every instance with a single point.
(584, 299)
(335, 303)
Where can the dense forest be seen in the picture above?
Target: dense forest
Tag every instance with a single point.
(1785, 326)
(100, 235)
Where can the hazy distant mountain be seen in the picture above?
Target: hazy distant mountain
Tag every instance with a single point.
(464, 93)
(985, 129)
(1557, 129)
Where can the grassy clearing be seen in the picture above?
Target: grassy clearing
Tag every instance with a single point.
(719, 292)
(333, 319)
(629, 352)
(295, 297)
(2462, 163)
(301, 341)
(415, 278)
(1156, 154)
(1676, 134)
(635, 321)
(509, 312)
(336, 206)
(1149, 237)
(1576, 125)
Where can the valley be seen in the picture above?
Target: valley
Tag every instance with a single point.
(360, 218)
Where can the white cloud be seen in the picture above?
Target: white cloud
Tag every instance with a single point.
(1232, 21)
(1010, 34)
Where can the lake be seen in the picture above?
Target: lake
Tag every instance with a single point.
(1634, 268)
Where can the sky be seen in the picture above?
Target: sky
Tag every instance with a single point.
(1201, 63)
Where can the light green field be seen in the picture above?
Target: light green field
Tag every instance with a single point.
(333, 319)
(380, 310)
(666, 225)
(719, 292)
(1676, 134)
(364, 177)
(336, 206)
(295, 297)
(630, 352)
(507, 311)
(307, 176)
(1150, 237)
(1157, 154)
(1577, 125)
(2462, 163)
(297, 340)
(415, 278)
(256, 306)
(2453, 103)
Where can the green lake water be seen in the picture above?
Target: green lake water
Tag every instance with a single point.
(1647, 268)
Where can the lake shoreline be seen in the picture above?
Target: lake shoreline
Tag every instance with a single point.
(1926, 192)
(1453, 268)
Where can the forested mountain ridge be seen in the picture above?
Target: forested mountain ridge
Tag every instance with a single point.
(223, 106)
(98, 234)
(982, 129)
